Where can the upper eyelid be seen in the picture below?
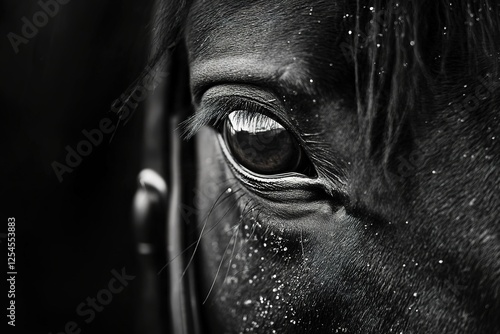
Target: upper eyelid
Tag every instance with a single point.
(238, 103)
(244, 92)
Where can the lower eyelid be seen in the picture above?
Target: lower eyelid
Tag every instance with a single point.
(286, 181)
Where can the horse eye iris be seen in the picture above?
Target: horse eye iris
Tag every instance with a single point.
(261, 144)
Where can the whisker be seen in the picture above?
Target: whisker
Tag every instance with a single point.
(217, 203)
(237, 227)
(115, 130)
(203, 229)
(302, 244)
(232, 253)
(220, 264)
(254, 227)
(240, 222)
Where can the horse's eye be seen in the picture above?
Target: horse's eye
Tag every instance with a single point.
(261, 144)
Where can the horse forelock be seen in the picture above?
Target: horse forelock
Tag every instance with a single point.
(405, 52)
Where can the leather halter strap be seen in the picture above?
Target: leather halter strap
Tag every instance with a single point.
(164, 232)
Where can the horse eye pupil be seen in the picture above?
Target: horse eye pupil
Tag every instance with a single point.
(261, 144)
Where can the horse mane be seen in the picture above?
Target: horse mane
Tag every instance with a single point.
(411, 52)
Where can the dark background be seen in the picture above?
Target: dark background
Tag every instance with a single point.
(70, 235)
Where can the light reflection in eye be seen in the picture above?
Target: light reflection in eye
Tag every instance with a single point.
(261, 144)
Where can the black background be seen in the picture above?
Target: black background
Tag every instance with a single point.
(70, 235)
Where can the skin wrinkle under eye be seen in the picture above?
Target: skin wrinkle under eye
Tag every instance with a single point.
(293, 196)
